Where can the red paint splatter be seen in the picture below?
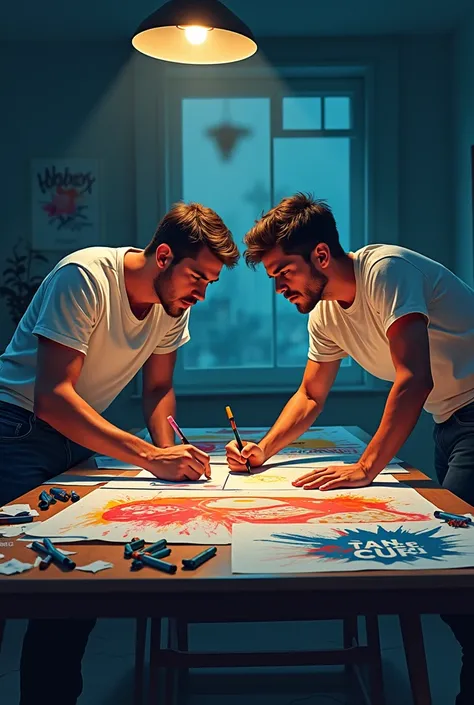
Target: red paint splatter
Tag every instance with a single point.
(212, 512)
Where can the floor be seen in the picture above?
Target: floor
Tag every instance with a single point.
(110, 651)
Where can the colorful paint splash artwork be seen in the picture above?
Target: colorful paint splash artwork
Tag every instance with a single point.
(312, 549)
(205, 518)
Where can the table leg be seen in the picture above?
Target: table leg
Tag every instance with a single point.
(155, 661)
(140, 647)
(377, 695)
(412, 635)
(178, 639)
(350, 631)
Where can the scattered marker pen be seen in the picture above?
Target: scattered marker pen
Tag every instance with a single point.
(158, 546)
(447, 516)
(45, 500)
(153, 562)
(65, 561)
(193, 563)
(74, 496)
(47, 560)
(134, 545)
(157, 554)
(60, 494)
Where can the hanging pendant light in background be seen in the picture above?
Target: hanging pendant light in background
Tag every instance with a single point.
(195, 32)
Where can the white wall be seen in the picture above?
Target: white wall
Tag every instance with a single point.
(463, 124)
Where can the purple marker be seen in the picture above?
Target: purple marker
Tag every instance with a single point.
(177, 430)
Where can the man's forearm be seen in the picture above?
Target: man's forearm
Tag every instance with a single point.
(297, 416)
(157, 406)
(69, 414)
(402, 411)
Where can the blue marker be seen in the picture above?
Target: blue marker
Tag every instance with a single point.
(47, 560)
(193, 563)
(75, 497)
(447, 516)
(63, 560)
(45, 500)
(60, 494)
(158, 546)
(154, 563)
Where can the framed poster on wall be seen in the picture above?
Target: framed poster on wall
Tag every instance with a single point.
(65, 204)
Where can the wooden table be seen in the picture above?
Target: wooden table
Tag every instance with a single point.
(225, 597)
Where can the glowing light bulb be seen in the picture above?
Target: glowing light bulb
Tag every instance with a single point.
(196, 34)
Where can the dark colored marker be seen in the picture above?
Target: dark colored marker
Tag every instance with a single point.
(63, 560)
(47, 560)
(60, 494)
(238, 440)
(156, 563)
(74, 496)
(193, 563)
(134, 545)
(447, 516)
(158, 546)
(45, 500)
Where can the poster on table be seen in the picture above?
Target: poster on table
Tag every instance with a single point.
(207, 518)
(320, 548)
(65, 204)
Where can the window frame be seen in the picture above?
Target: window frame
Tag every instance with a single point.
(379, 68)
(263, 379)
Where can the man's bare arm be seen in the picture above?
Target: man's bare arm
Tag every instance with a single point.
(159, 400)
(58, 403)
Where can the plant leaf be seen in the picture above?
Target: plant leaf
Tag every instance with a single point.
(40, 257)
(6, 291)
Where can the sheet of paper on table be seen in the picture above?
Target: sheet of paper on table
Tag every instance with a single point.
(303, 548)
(207, 517)
(323, 442)
(281, 478)
(147, 481)
(79, 480)
(103, 461)
(279, 461)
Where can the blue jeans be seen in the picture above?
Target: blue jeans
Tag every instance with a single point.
(31, 452)
(454, 464)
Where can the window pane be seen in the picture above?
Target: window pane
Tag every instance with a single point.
(321, 166)
(301, 113)
(230, 172)
(337, 113)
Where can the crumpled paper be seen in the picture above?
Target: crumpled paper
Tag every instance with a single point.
(95, 567)
(14, 566)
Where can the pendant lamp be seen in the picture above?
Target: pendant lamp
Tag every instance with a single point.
(195, 32)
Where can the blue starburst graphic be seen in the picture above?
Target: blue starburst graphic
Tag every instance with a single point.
(382, 545)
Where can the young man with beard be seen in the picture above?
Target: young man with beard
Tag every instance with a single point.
(403, 318)
(101, 315)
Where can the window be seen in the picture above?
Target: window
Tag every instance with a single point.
(239, 147)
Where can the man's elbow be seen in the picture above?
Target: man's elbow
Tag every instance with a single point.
(420, 384)
(46, 406)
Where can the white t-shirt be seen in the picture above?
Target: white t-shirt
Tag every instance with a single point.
(392, 282)
(83, 304)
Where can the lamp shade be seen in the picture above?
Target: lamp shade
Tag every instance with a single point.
(195, 32)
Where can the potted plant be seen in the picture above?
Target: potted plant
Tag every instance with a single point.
(19, 283)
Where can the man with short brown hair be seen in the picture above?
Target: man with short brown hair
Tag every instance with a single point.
(100, 316)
